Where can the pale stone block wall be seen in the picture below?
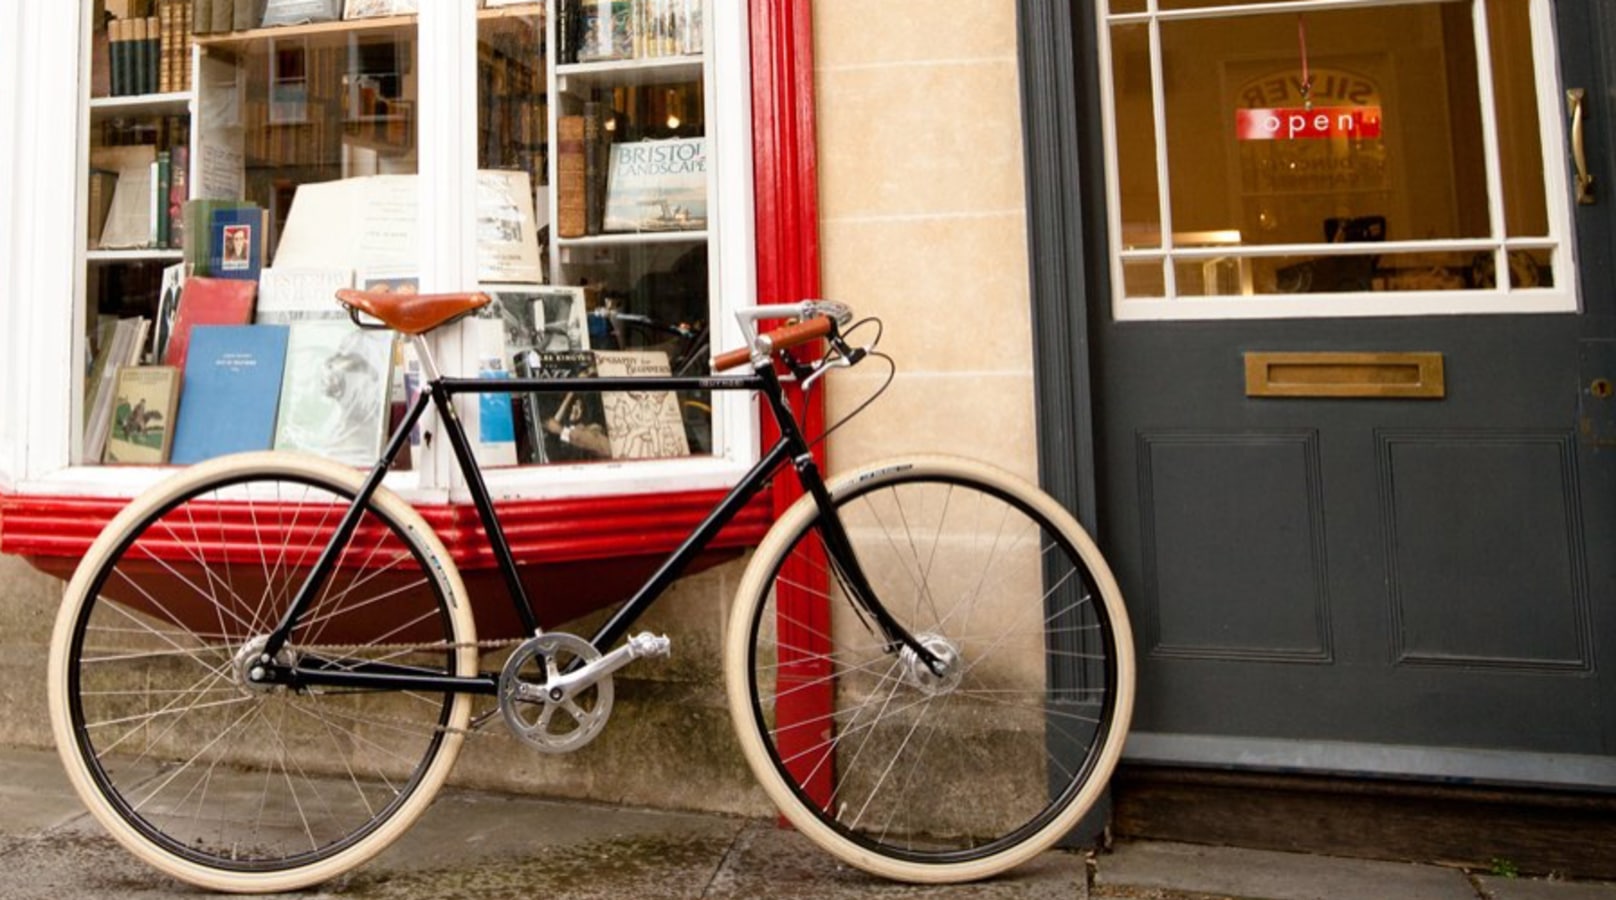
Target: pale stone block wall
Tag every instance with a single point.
(923, 223)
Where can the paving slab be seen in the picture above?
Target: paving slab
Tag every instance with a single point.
(1145, 870)
(1496, 888)
(35, 794)
(773, 862)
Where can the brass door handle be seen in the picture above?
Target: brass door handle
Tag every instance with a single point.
(1585, 181)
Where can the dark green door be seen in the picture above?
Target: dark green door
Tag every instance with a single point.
(1343, 577)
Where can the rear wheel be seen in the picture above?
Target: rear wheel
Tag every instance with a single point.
(188, 762)
(901, 770)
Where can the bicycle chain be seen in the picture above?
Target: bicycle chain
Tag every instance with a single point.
(477, 721)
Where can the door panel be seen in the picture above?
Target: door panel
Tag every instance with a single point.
(1371, 584)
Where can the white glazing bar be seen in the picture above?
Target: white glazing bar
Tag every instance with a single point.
(1113, 181)
(1256, 9)
(1550, 109)
(1164, 194)
(1486, 88)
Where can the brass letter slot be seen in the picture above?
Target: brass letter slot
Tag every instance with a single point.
(1385, 375)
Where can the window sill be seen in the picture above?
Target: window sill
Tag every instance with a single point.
(576, 554)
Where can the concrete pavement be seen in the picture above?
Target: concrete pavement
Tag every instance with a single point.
(484, 845)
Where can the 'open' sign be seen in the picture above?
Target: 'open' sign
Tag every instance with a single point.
(1300, 124)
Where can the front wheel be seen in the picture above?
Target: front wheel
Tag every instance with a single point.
(892, 766)
(209, 776)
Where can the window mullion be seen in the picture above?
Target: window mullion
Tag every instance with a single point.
(1158, 105)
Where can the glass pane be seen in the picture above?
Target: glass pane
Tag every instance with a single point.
(1136, 137)
(1144, 279)
(1389, 132)
(620, 206)
(1519, 139)
(307, 156)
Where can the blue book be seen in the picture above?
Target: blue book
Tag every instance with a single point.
(231, 391)
(236, 247)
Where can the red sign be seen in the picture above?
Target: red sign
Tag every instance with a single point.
(1300, 124)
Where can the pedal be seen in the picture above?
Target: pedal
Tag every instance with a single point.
(646, 645)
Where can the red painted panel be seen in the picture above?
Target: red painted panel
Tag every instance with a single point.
(787, 182)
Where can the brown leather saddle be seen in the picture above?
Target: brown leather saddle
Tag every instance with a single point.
(412, 313)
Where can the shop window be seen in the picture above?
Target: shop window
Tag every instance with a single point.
(1270, 160)
(238, 171)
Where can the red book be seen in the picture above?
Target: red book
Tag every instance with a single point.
(208, 301)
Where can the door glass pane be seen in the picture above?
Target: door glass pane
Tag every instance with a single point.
(1408, 134)
(1138, 189)
(1520, 143)
(1390, 130)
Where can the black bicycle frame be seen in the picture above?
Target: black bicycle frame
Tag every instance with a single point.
(792, 446)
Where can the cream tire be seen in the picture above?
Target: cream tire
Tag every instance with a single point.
(751, 723)
(61, 679)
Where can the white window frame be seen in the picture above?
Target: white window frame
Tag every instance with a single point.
(1562, 297)
(42, 257)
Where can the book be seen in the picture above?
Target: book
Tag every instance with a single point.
(564, 426)
(288, 294)
(102, 184)
(595, 159)
(236, 242)
(128, 220)
(197, 221)
(118, 349)
(641, 424)
(207, 301)
(605, 30)
(657, 186)
(247, 14)
(224, 16)
(572, 178)
(334, 392)
(367, 9)
(178, 193)
(168, 303)
(298, 12)
(539, 317)
(492, 426)
(201, 16)
(142, 427)
(118, 56)
(232, 390)
(162, 182)
(507, 235)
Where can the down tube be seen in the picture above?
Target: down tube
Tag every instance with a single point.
(675, 564)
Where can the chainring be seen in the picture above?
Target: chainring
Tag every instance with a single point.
(550, 719)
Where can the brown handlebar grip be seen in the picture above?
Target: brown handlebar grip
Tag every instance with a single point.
(726, 361)
(779, 339)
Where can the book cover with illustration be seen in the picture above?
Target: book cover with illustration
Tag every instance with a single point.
(334, 395)
(564, 426)
(641, 424)
(657, 186)
(232, 390)
(143, 403)
(236, 242)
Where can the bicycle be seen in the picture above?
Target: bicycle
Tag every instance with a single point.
(264, 667)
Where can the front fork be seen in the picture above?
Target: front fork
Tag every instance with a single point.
(844, 562)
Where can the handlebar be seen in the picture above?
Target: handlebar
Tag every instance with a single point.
(778, 339)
